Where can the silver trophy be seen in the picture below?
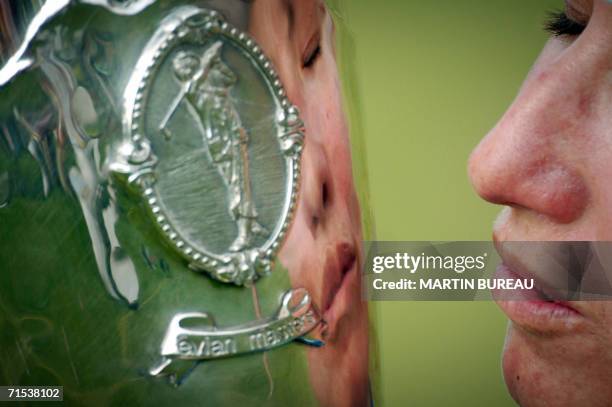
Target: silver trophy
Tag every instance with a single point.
(150, 165)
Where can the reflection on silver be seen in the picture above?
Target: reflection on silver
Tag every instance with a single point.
(73, 120)
(21, 61)
(195, 336)
(209, 137)
(226, 217)
(5, 189)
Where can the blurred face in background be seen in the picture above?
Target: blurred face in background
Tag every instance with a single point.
(322, 251)
(549, 161)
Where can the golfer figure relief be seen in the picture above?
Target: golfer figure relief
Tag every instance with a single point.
(206, 82)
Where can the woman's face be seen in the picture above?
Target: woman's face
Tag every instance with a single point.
(549, 161)
(323, 249)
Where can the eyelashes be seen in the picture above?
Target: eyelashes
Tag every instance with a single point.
(312, 57)
(558, 24)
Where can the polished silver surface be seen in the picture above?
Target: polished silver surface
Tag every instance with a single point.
(185, 128)
(218, 172)
(195, 336)
(22, 60)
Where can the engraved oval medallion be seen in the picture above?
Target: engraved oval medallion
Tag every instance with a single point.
(212, 144)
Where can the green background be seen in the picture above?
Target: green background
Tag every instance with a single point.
(425, 82)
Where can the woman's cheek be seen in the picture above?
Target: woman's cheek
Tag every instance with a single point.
(299, 246)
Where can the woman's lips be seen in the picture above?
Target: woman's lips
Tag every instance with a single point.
(339, 283)
(533, 311)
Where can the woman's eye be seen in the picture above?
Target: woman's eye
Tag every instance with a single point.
(559, 24)
(312, 57)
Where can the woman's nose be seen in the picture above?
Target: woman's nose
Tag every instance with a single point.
(507, 170)
(533, 158)
(317, 187)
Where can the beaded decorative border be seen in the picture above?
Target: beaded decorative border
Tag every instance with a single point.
(138, 160)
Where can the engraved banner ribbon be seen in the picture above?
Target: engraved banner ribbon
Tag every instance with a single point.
(295, 318)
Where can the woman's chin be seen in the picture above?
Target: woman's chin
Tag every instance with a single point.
(511, 359)
(339, 369)
(541, 370)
